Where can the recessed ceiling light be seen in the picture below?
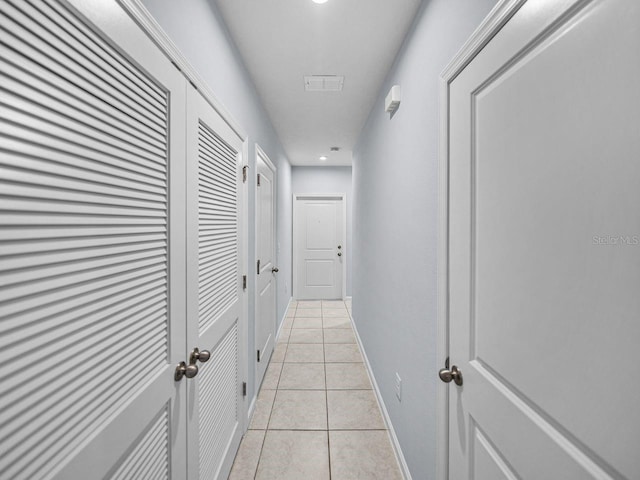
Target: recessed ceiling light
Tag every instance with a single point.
(319, 1)
(323, 158)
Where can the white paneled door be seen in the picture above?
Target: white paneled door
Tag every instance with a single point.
(544, 247)
(92, 296)
(121, 250)
(318, 247)
(214, 289)
(266, 268)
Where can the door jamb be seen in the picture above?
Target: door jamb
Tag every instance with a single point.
(490, 26)
(332, 196)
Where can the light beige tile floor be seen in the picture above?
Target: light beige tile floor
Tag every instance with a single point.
(316, 416)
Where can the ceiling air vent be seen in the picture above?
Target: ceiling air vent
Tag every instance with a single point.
(323, 83)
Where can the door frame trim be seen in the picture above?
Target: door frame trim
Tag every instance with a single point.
(316, 196)
(490, 26)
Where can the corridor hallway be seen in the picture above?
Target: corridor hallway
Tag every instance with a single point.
(316, 415)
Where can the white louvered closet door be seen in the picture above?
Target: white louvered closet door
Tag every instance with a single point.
(92, 297)
(214, 293)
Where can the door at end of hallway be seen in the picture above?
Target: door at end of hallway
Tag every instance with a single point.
(319, 247)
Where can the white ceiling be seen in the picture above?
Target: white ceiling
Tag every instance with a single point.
(281, 41)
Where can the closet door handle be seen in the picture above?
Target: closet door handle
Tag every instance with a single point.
(199, 355)
(184, 370)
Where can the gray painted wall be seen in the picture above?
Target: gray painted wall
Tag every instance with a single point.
(197, 29)
(395, 181)
(328, 180)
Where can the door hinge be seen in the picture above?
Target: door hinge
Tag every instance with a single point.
(244, 173)
(258, 267)
(244, 389)
(258, 355)
(258, 179)
(244, 282)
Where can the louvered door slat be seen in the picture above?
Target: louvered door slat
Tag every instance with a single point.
(148, 457)
(75, 232)
(54, 265)
(59, 22)
(79, 80)
(84, 251)
(78, 61)
(86, 322)
(30, 247)
(218, 179)
(52, 156)
(40, 119)
(43, 97)
(14, 66)
(217, 187)
(212, 202)
(42, 135)
(56, 178)
(218, 396)
(210, 140)
(52, 314)
(214, 168)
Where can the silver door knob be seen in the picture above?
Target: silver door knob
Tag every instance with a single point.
(184, 370)
(199, 355)
(275, 270)
(454, 374)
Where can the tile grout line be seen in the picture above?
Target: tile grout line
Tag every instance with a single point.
(326, 394)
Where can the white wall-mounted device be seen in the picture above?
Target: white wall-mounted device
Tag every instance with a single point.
(392, 102)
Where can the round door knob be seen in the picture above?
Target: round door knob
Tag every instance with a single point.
(454, 374)
(275, 270)
(191, 371)
(201, 355)
(184, 370)
(339, 254)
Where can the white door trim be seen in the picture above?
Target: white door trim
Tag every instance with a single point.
(490, 26)
(317, 196)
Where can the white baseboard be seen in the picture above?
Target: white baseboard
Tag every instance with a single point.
(283, 319)
(404, 468)
(252, 408)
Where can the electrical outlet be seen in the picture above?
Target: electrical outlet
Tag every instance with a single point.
(398, 387)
